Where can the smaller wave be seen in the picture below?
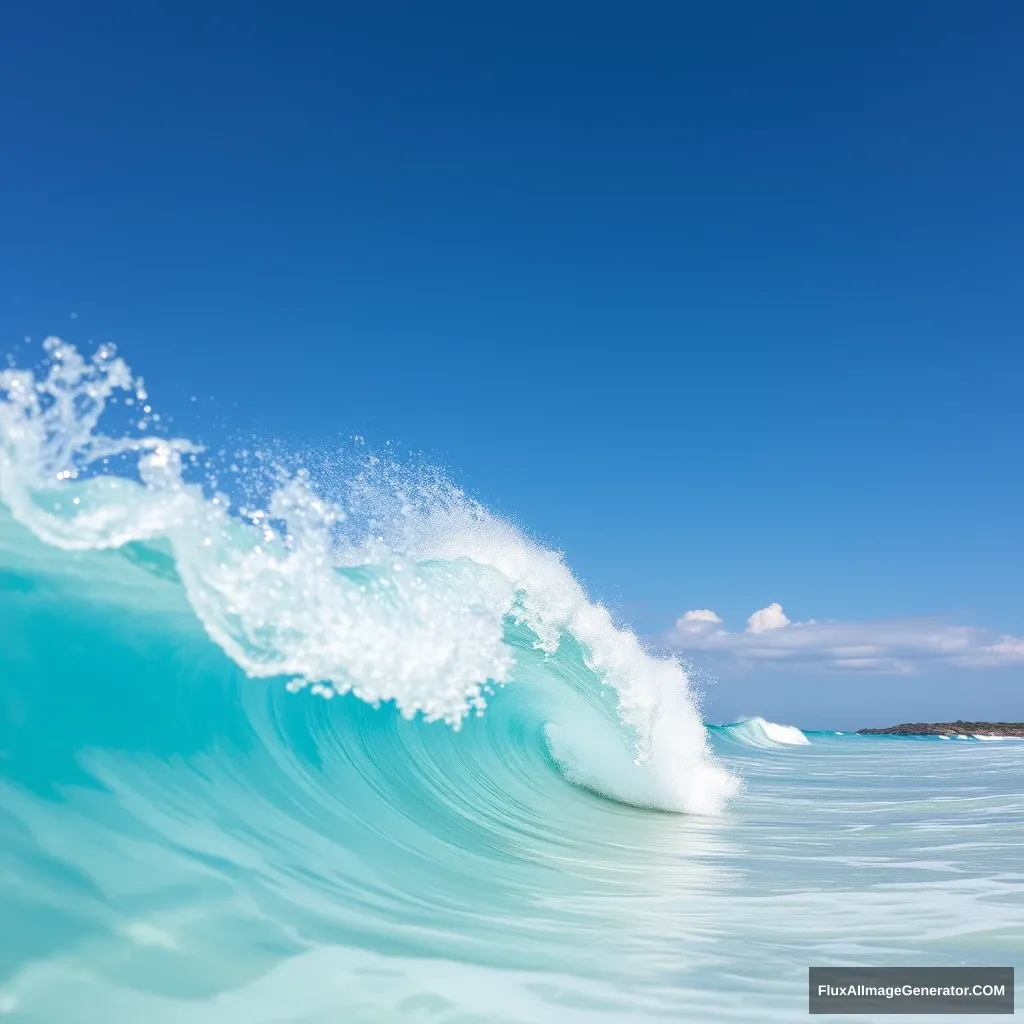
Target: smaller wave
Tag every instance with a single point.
(758, 732)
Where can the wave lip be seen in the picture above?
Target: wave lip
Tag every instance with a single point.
(760, 733)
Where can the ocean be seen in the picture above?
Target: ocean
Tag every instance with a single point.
(286, 745)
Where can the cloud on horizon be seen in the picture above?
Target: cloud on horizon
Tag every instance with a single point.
(896, 646)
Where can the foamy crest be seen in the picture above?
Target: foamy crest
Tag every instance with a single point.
(758, 732)
(668, 764)
(265, 587)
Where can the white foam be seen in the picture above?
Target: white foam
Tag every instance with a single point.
(788, 735)
(653, 694)
(269, 595)
(758, 732)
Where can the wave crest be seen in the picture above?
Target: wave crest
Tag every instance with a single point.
(758, 732)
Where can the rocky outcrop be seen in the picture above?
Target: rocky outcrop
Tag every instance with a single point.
(949, 729)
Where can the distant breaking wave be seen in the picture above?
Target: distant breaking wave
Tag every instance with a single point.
(757, 732)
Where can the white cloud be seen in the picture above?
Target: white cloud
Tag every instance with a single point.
(697, 621)
(894, 645)
(700, 615)
(772, 617)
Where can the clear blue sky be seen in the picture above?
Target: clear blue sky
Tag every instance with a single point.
(724, 300)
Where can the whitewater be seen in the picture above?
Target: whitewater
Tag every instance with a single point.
(287, 743)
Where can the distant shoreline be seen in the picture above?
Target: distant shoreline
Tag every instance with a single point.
(949, 729)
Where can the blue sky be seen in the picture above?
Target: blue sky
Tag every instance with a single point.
(727, 304)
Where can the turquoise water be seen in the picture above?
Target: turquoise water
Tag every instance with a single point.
(372, 755)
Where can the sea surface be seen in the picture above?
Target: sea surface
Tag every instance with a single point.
(304, 743)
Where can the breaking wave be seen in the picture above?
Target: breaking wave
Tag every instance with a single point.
(757, 732)
(392, 590)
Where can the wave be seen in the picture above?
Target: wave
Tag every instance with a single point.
(262, 725)
(757, 732)
(392, 589)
